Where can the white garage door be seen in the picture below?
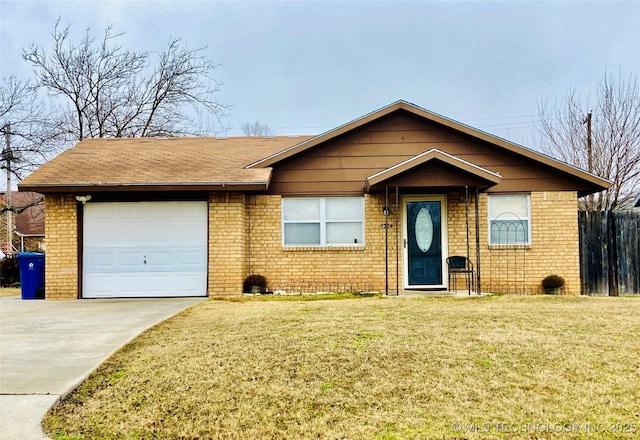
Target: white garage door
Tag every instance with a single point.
(144, 249)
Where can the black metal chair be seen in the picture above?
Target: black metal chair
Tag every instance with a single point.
(458, 264)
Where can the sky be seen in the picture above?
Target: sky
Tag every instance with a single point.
(306, 67)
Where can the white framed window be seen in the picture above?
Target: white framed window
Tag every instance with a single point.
(323, 221)
(509, 219)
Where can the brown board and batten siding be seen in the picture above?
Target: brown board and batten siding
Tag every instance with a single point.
(340, 165)
(435, 175)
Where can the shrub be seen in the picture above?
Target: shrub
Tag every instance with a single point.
(252, 281)
(552, 282)
(9, 272)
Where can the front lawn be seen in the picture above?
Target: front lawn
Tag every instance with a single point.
(9, 291)
(492, 367)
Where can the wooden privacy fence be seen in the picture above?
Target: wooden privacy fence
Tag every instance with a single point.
(610, 252)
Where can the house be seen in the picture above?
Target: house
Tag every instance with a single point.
(377, 203)
(27, 223)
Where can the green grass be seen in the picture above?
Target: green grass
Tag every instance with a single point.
(375, 368)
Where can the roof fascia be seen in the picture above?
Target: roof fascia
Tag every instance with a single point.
(151, 187)
(427, 156)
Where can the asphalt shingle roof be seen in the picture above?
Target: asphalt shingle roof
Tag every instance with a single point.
(122, 162)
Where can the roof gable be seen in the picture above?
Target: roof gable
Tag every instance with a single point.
(431, 156)
(591, 180)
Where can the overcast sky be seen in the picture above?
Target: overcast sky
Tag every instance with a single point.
(306, 67)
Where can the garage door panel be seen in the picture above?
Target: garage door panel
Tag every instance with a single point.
(129, 259)
(191, 233)
(164, 284)
(159, 261)
(133, 234)
(130, 212)
(145, 249)
(98, 260)
(112, 260)
(157, 211)
(130, 284)
(102, 231)
(190, 282)
(100, 285)
(177, 259)
(191, 259)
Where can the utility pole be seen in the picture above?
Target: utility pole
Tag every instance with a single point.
(589, 152)
(8, 157)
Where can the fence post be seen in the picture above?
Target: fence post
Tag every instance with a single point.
(612, 253)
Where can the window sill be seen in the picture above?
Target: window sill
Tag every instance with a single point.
(509, 246)
(322, 248)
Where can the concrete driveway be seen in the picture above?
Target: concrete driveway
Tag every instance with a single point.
(47, 348)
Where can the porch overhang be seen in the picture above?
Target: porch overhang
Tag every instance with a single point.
(420, 170)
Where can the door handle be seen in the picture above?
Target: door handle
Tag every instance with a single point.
(405, 243)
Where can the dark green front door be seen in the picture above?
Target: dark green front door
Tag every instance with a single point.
(424, 243)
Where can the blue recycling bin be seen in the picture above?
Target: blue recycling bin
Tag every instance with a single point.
(31, 274)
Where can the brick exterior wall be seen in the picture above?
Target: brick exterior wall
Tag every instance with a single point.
(520, 269)
(61, 260)
(245, 237)
(508, 269)
(227, 243)
(311, 269)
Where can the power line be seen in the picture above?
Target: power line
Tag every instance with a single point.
(528, 122)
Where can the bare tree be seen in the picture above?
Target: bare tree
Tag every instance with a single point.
(27, 134)
(108, 91)
(615, 137)
(257, 129)
(25, 141)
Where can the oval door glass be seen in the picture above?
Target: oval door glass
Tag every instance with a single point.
(424, 230)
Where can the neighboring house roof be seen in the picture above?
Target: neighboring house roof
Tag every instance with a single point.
(636, 202)
(158, 164)
(29, 221)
